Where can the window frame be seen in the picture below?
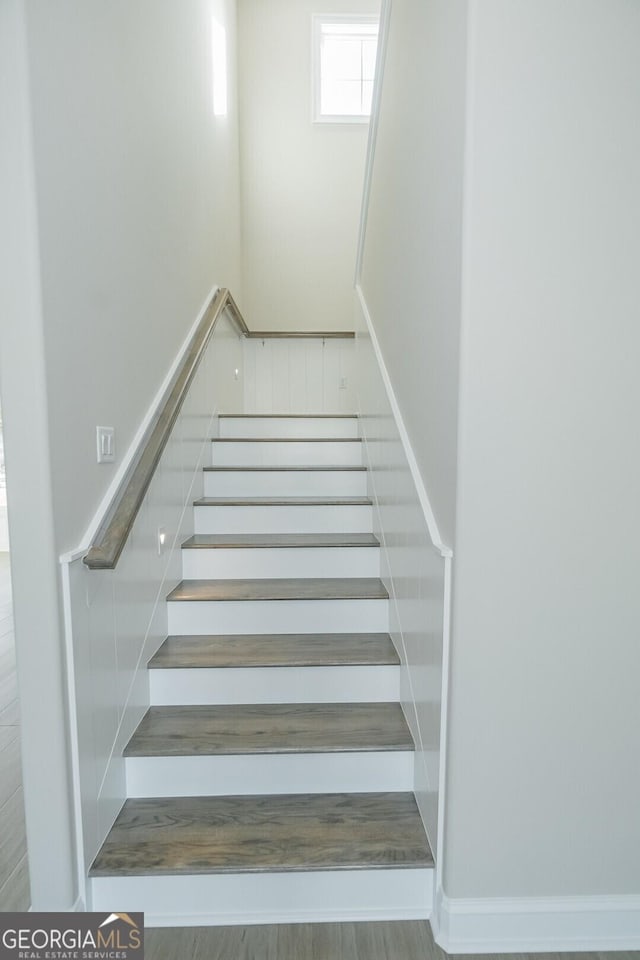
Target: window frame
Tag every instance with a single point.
(317, 19)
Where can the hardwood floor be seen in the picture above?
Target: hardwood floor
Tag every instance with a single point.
(400, 940)
(14, 872)
(304, 941)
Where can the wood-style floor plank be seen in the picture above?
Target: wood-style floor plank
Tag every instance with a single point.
(8, 688)
(8, 735)
(276, 650)
(302, 588)
(218, 541)
(398, 940)
(10, 769)
(10, 715)
(15, 894)
(191, 835)
(13, 842)
(390, 940)
(232, 729)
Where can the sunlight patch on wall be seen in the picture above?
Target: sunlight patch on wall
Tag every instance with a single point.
(219, 61)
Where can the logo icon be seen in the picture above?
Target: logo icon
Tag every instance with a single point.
(71, 936)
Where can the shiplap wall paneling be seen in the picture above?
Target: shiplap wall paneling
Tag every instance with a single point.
(298, 375)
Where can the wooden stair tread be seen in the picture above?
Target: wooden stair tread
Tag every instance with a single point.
(233, 729)
(277, 650)
(284, 468)
(288, 416)
(301, 588)
(286, 440)
(283, 502)
(253, 834)
(202, 541)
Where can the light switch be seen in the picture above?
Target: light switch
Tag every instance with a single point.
(106, 444)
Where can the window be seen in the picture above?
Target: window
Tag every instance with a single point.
(344, 50)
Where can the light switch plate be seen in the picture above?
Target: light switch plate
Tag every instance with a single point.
(106, 444)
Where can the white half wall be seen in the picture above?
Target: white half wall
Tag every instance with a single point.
(301, 181)
(413, 570)
(117, 619)
(299, 375)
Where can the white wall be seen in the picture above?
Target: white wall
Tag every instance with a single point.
(508, 209)
(138, 212)
(119, 192)
(544, 780)
(412, 253)
(301, 181)
(33, 559)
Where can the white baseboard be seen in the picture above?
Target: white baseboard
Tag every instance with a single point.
(527, 925)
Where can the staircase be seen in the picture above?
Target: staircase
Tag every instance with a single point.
(271, 780)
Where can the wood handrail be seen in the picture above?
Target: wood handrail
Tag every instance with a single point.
(112, 534)
(118, 521)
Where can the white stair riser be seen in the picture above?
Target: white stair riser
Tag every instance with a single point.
(293, 897)
(286, 483)
(298, 453)
(277, 616)
(340, 684)
(250, 564)
(269, 773)
(320, 518)
(288, 427)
